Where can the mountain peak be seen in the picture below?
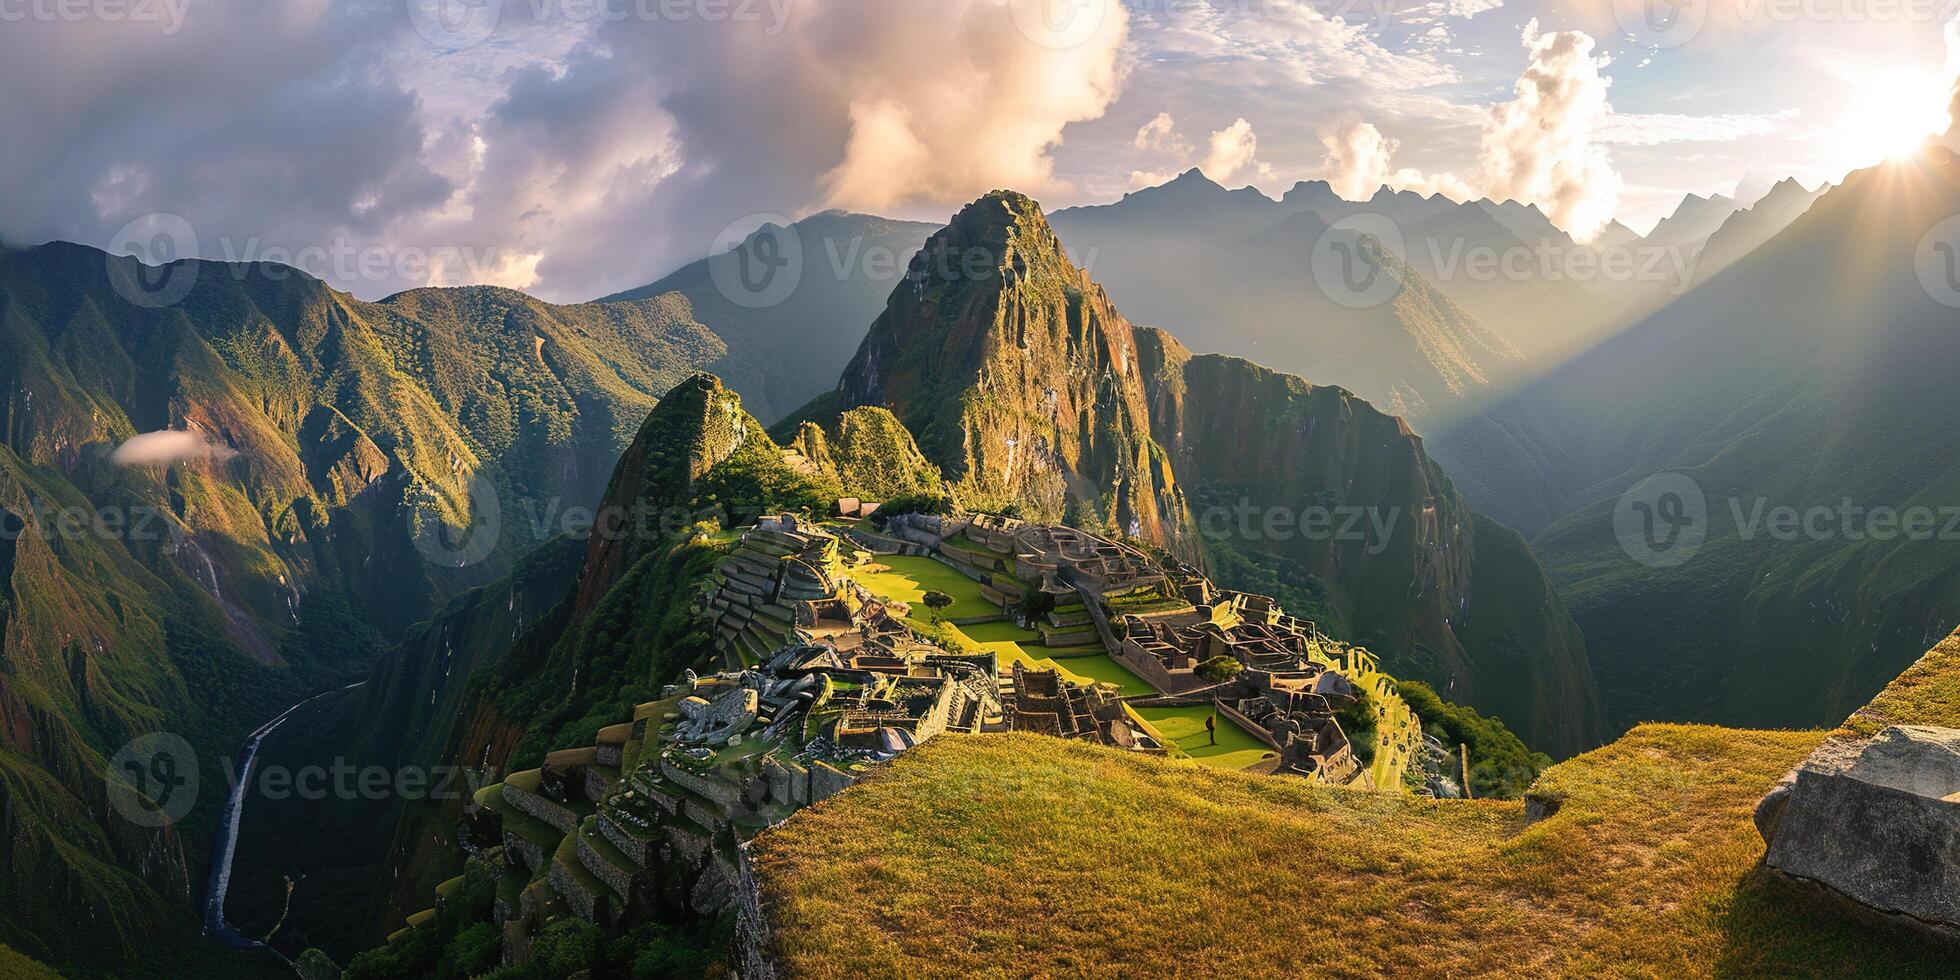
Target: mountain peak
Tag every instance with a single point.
(1004, 230)
(1194, 178)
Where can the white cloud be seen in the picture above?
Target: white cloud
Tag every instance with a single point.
(1160, 135)
(1542, 147)
(167, 447)
(1358, 163)
(1233, 149)
(1656, 128)
(1952, 138)
(579, 154)
(1357, 159)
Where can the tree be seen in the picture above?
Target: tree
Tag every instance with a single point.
(1220, 669)
(937, 602)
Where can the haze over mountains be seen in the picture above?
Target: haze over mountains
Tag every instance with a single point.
(1812, 374)
(1489, 292)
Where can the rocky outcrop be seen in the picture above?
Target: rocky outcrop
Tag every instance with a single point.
(1876, 820)
(1019, 378)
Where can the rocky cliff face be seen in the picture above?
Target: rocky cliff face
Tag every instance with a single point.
(1026, 386)
(1340, 505)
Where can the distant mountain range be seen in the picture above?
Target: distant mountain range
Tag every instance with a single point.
(1810, 374)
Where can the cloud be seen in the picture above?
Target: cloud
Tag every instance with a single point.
(1234, 148)
(660, 136)
(576, 155)
(1160, 135)
(1541, 148)
(268, 124)
(1357, 159)
(168, 447)
(1359, 162)
(1654, 129)
(1953, 72)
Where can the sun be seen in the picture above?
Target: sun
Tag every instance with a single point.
(1891, 114)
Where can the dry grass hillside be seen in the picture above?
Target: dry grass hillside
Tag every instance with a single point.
(1016, 854)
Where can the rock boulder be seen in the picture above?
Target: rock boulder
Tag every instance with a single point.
(1877, 820)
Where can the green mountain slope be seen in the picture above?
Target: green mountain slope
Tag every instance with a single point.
(790, 335)
(295, 523)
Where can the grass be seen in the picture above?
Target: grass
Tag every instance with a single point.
(1087, 666)
(19, 966)
(1928, 693)
(1016, 854)
(999, 632)
(911, 577)
(1185, 727)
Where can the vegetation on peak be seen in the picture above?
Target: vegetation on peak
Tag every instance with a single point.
(871, 455)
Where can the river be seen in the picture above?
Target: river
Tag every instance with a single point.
(226, 842)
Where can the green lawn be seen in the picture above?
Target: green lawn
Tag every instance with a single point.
(1001, 632)
(1185, 727)
(912, 576)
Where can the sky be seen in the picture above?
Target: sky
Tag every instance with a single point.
(574, 148)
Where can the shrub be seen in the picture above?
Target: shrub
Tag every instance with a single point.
(925, 502)
(1220, 669)
(1501, 766)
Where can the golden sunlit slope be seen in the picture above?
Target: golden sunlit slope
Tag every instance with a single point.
(1026, 855)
